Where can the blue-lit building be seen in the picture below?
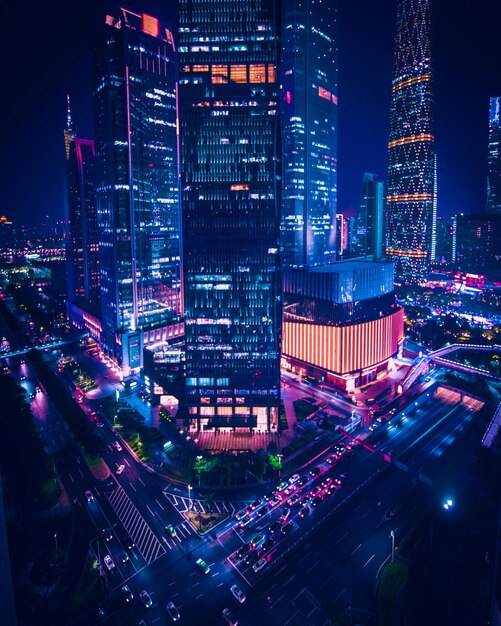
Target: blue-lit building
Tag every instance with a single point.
(231, 190)
(309, 78)
(82, 240)
(411, 183)
(368, 239)
(494, 157)
(137, 184)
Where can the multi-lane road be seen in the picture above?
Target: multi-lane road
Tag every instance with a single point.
(328, 561)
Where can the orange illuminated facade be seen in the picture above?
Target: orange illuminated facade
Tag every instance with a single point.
(341, 323)
(344, 349)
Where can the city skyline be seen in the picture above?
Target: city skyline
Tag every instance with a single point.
(36, 109)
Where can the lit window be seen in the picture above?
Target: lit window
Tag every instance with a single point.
(238, 73)
(257, 73)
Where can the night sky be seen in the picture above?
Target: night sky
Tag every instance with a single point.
(48, 53)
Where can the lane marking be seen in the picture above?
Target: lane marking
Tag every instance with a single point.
(367, 563)
(357, 548)
(159, 504)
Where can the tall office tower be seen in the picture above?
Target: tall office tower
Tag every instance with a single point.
(411, 203)
(231, 183)
(342, 236)
(69, 135)
(137, 191)
(444, 240)
(494, 157)
(308, 75)
(478, 242)
(369, 229)
(82, 246)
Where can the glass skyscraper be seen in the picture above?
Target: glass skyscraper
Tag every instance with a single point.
(231, 188)
(82, 242)
(137, 191)
(494, 157)
(411, 189)
(369, 235)
(309, 71)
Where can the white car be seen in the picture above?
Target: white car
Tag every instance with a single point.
(259, 565)
(146, 598)
(117, 446)
(238, 593)
(173, 612)
(89, 495)
(229, 617)
(294, 478)
(108, 561)
(120, 469)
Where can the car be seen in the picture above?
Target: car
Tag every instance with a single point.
(117, 446)
(274, 527)
(315, 491)
(127, 593)
(315, 471)
(240, 515)
(100, 424)
(316, 501)
(229, 617)
(259, 565)
(327, 481)
(284, 516)
(331, 459)
(245, 520)
(89, 495)
(269, 543)
(170, 530)
(243, 550)
(293, 499)
(257, 540)
(305, 500)
(129, 542)
(108, 561)
(288, 490)
(286, 528)
(203, 566)
(172, 611)
(268, 496)
(302, 481)
(146, 598)
(294, 478)
(304, 511)
(255, 504)
(251, 557)
(283, 485)
(124, 556)
(237, 593)
(263, 510)
(120, 469)
(108, 535)
(275, 500)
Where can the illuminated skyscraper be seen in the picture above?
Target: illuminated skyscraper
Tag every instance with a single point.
(69, 135)
(231, 183)
(137, 189)
(370, 219)
(309, 70)
(82, 242)
(494, 157)
(411, 187)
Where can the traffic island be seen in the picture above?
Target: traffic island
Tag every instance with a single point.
(97, 466)
(203, 522)
(390, 598)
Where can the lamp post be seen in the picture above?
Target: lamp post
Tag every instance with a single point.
(392, 535)
(279, 457)
(189, 498)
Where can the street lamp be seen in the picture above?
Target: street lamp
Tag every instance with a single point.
(392, 535)
(448, 504)
(189, 498)
(279, 457)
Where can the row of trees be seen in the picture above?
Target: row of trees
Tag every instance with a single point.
(78, 423)
(24, 464)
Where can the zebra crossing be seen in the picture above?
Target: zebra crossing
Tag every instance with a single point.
(145, 540)
(227, 508)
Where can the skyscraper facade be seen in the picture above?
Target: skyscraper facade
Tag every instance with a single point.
(369, 229)
(494, 157)
(309, 78)
(82, 245)
(411, 204)
(137, 190)
(231, 190)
